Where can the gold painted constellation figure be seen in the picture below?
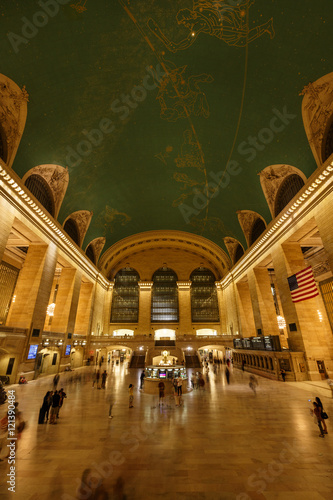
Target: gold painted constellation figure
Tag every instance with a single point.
(215, 18)
(180, 97)
(80, 6)
(190, 153)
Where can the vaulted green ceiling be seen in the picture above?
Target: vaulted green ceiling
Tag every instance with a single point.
(228, 70)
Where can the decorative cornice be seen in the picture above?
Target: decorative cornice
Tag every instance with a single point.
(184, 285)
(318, 186)
(17, 195)
(145, 285)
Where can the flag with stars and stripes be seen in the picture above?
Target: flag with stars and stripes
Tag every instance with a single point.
(303, 285)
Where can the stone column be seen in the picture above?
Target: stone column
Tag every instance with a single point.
(64, 299)
(245, 310)
(33, 288)
(107, 308)
(222, 311)
(144, 323)
(84, 309)
(265, 301)
(312, 336)
(7, 219)
(185, 312)
(254, 295)
(324, 220)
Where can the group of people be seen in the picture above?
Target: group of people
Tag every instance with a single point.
(99, 379)
(52, 403)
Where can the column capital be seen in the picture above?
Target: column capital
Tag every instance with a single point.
(111, 285)
(184, 285)
(218, 285)
(145, 285)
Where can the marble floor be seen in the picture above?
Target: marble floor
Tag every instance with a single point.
(223, 443)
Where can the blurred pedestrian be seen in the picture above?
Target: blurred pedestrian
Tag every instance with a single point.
(253, 384)
(142, 379)
(131, 396)
(104, 376)
(161, 388)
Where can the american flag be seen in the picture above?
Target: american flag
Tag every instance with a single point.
(303, 285)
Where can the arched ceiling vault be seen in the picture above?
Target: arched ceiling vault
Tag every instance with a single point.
(163, 112)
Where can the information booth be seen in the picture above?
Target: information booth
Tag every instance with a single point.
(154, 374)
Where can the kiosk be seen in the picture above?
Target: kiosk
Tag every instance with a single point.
(154, 374)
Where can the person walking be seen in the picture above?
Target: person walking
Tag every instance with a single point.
(104, 376)
(227, 374)
(161, 388)
(94, 377)
(253, 384)
(131, 396)
(142, 379)
(179, 386)
(323, 415)
(98, 376)
(318, 418)
(283, 374)
(55, 381)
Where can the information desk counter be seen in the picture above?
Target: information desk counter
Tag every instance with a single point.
(154, 375)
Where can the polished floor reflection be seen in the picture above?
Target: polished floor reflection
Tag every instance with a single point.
(223, 443)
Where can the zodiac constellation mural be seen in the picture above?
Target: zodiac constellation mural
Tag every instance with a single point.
(80, 6)
(180, 97)
(190, 157)
(215, 18)
(109, 217)
(190, 153)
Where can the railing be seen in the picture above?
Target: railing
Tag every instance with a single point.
(9, 331)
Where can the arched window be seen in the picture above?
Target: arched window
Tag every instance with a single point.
(328, 144)
(71, 229)
(125, 298)
(204, 303)
(288, 189)
(164, 298)
(257, 229)
(239, 253)
(40, 189)
(91, 254)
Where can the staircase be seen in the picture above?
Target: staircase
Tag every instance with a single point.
(192, 361)
(137, 361)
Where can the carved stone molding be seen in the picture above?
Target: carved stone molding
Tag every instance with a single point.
(322, 268)
(271, 179)
(246, 219)
(317, 111)
(82, 219)
(13, 115)
(232, 244)
(57, 178)
(97, 244)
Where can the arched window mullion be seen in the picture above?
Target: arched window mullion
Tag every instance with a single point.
(125, 298)
(204, 303)
(71, 229)
(40, 189)
(257, 229)
(288, 189)
(164, 300)
(239, 253)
